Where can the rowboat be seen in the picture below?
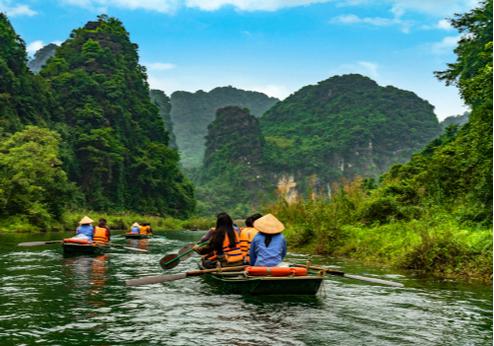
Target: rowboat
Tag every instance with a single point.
(239, 283)
(136, 236)
(83, 249)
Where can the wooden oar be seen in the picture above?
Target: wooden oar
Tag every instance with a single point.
(351, 276)
(172, 277)
(172, 260)
(39, 243)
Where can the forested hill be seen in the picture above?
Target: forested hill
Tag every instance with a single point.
(163, 102)
(459, 120)
(345, 126)
(115, 146)
(231, 177)
(41, 57)
(193, 112)
(24, 98)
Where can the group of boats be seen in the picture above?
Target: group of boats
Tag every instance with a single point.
(292, 280)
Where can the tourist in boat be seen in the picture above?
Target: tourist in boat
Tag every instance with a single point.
(268, 248)
(223, 246)
(85, 229)
(135, 228)
(101, 232)
(145, 229)
(247, 235)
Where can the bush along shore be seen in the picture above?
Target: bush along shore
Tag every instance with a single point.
(435, 243)
(116, 221)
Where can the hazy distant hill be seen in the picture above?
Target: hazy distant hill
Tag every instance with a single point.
(459, 120)
(343, 127)
(41, 57)
(163, 103)
(192, 113)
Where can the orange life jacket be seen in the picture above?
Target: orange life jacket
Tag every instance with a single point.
(100, 235)
(145, 230)
(230, 254)
(246, 236)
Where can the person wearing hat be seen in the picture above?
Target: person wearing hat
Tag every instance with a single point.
(135, 228)
(85, 229)
(268, 248)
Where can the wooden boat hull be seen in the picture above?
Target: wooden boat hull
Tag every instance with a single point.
(266, 285)
(136, 236)
(83, 249)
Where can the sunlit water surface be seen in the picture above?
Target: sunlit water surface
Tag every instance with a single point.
(49, 299)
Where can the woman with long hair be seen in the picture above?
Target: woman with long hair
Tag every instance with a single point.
(223, 247)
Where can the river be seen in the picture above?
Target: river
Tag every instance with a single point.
(48, 299)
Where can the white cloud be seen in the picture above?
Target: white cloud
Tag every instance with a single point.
(446, 45)
(350, 19)
(34, 46)
(250, 5)
(170, 6)
(444, 24)
(163, 6)
(16, 10)
(441, 8)
(159, 66)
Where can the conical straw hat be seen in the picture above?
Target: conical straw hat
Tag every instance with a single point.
(135, 224)
(269, 224)
(85, 220)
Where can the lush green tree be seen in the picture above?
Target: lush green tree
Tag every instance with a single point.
(33, 184)
(115, 143)
(164, 104)
(24, 98)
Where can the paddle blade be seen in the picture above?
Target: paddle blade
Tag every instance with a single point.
(155, 279)
(186, 251)
(169, 261)
(39, 243)
(374, 280)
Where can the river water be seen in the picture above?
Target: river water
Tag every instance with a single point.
(46, 299)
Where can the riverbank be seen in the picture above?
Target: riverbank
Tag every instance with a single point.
(116, 221)
(436, 245)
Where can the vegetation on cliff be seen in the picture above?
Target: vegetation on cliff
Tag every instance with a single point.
(115, 145)
(344, 127)
(232, 174)
(163, 103)
(433, 213)
(193, 112)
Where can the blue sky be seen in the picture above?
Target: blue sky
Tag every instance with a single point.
(273, 46)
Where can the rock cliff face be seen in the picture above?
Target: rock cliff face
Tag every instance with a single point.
(191, 114)
(459, 120)
(344, 127)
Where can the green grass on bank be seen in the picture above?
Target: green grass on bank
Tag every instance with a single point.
(436, 244)
(118, 221)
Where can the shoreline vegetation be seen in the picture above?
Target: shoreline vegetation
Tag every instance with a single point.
(116, 221)
(435, 244)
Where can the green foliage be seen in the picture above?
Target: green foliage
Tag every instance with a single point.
(193, 112)
(345, 126)
(231, 178)
(163, 102)
(115, 144)
(33, 186)
(24, 98)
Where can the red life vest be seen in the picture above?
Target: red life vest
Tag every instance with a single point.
(276, 271)
(230, 254)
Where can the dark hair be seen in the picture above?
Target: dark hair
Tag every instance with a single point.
(102, 222)
(249, 222)
(267, 239)
(224, 226)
